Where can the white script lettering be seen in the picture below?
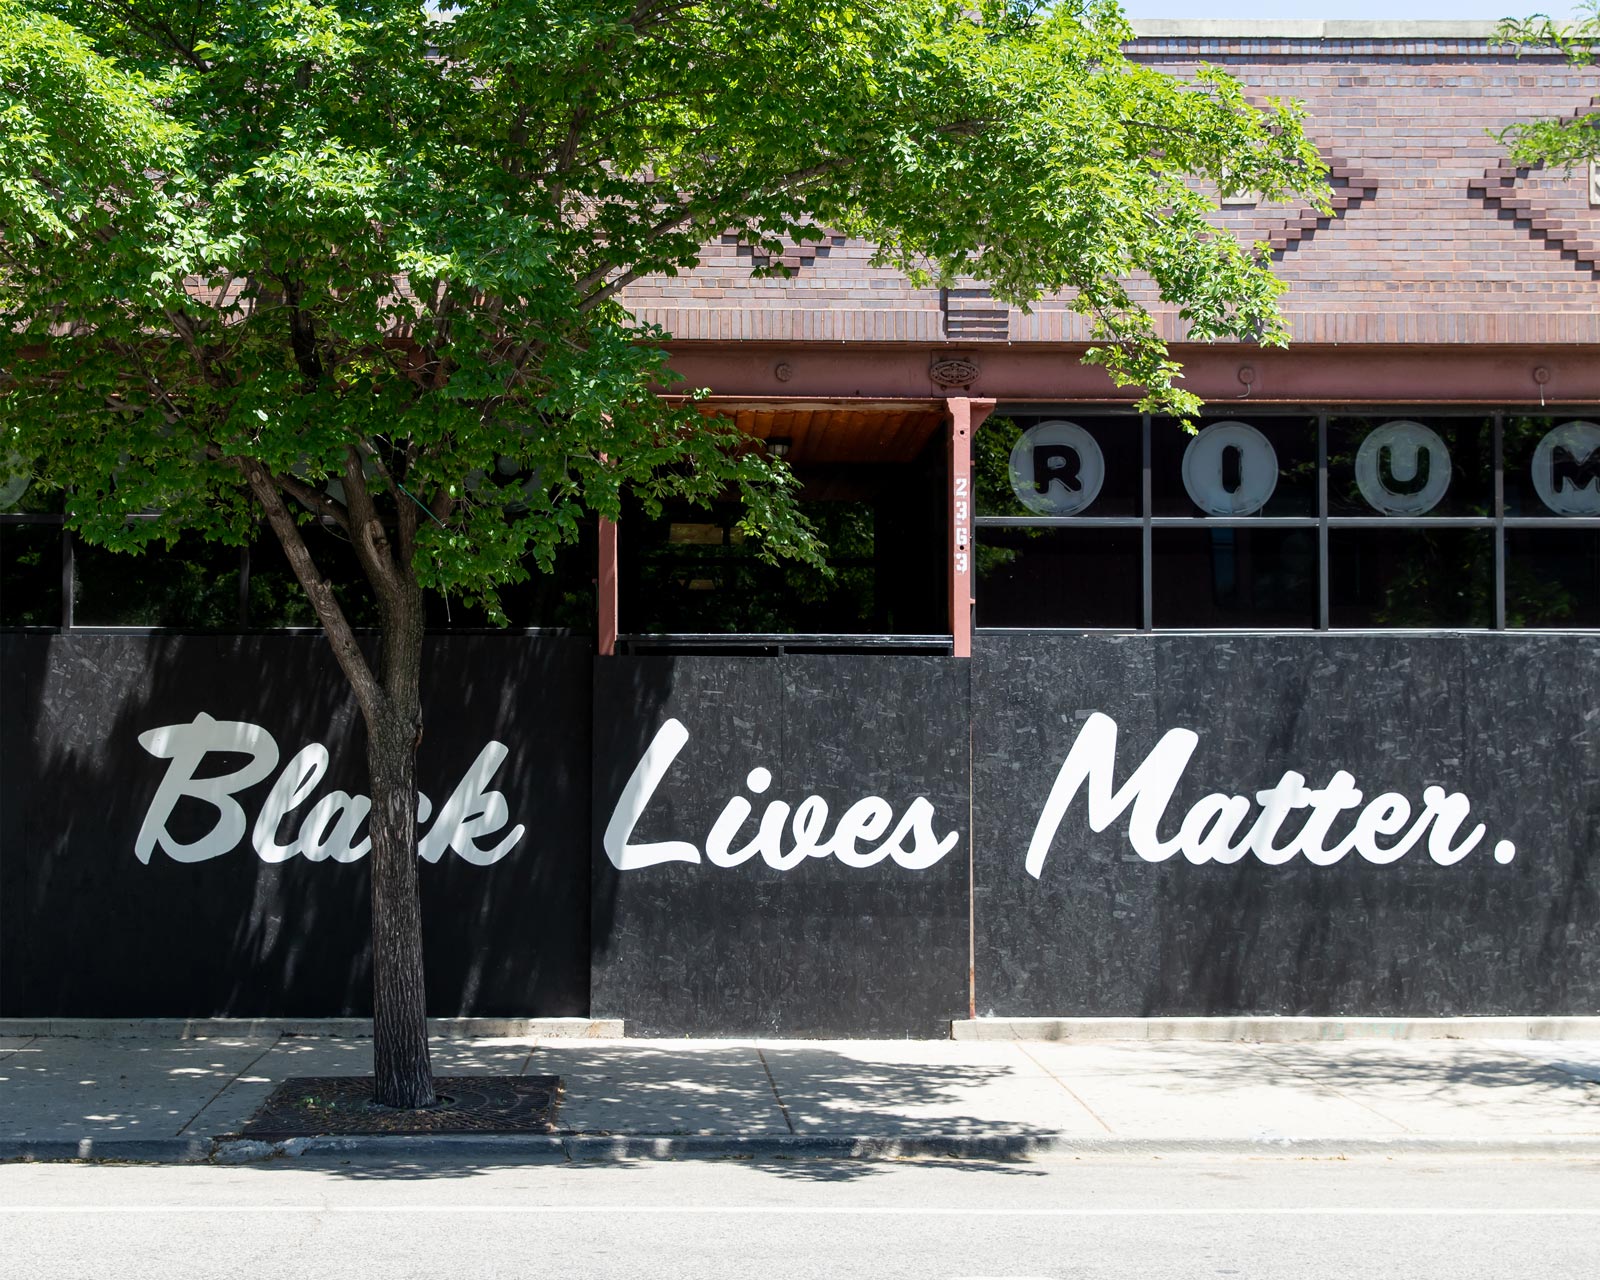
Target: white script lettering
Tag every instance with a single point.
(1206, 832)
(331, 830)
(911, 844)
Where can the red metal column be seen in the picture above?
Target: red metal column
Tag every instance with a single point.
(966, 416)
(606, 588)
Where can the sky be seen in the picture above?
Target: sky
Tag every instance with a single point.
(1368, 10)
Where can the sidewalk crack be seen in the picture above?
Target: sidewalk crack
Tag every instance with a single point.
(1071, 1092)
(776, 1096)
(229, 1084)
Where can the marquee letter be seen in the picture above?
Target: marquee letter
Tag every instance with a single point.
(1056, 464)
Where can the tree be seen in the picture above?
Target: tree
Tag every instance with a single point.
(358, 263)
(1567, 140)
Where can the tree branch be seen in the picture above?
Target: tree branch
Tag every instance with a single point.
(369, 693)
(367, 533)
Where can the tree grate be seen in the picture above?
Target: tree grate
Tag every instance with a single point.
(313, 1106)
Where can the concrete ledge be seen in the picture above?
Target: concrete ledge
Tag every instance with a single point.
(1277, 1030)
(270, 1028)
(608, 1147)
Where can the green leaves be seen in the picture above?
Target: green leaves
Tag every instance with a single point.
(380, 256)
(1565, 141)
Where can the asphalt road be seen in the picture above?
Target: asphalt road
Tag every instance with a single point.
(1387, 1219)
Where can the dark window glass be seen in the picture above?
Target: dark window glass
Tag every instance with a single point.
(1234, 577)
(276, 596)
(1571, 466)
(1059, 577)
(1233, 463)
(30, 575)
(194, 586)
(20, 494)
(883, 527)
(564, 597)
(1112, 456)
(1553, 577)
(1403, 475)
(693, 571)
(1410, 577)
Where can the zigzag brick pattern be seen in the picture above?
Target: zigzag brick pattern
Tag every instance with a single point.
(1505, 188)
(1432, 239)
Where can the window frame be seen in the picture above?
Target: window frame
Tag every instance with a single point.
(1498, 522)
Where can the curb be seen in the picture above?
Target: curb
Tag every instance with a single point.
(107, 1150)
(609, 1147)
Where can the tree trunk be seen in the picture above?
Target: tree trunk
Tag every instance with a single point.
(391, 705)
(402, 1073)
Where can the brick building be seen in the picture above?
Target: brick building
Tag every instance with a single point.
(1296, 715)
(1446, 282)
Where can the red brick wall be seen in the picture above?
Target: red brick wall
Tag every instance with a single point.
(1421, 257)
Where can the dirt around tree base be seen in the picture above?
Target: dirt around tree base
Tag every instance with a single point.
(313, 1106)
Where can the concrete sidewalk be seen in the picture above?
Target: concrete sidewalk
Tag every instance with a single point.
(167, 1099)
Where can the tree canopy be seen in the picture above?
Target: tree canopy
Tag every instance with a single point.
(360, 263)
(256, 238)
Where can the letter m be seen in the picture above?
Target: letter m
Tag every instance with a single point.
(1566, 468)
(1092, 760)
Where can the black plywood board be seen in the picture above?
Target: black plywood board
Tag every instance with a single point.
(1510, 721)
(88, 930)
(821, 949)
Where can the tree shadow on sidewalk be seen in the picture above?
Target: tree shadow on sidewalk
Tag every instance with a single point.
(727, 1091)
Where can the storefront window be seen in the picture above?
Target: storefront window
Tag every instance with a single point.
(30, 575)
(1057, 465)
(1553, 578)
(1070, 578)
(1289, 520)
(193, 586)
(278, 600)
(1411, 577)
(562, 598)
(1256, 466)
(690, 570)
(1552, 466)
(1232, 577)
(1086, 518)
(1410, 466)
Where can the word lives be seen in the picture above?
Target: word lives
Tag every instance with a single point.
(1215, 830)
(911, 842)
(330, 830)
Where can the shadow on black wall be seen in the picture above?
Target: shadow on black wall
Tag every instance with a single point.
(87, 929)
